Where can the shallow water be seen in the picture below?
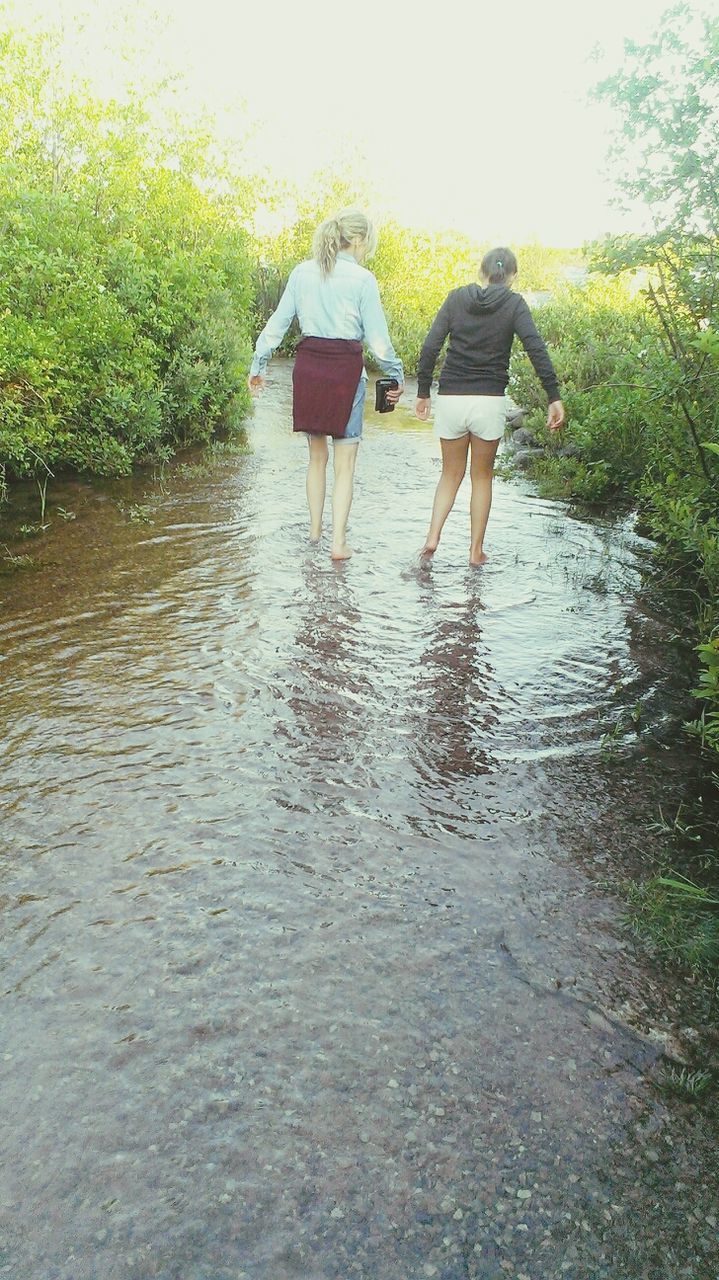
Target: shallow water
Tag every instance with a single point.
(308, 971)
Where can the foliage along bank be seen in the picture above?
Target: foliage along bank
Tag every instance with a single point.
(638, 354)
(638, 349)
(125, 278)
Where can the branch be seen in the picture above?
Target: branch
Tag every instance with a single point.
(679, 354)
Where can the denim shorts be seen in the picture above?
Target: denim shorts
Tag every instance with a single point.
(353, 430)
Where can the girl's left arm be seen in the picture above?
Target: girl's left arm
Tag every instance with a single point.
(535, 347)
(376, 334)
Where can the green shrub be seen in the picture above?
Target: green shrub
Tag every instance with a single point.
(125, 284)
(707, 726)
(620, 387)
(681, 917)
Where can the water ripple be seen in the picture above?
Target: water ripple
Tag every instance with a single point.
(277, 842)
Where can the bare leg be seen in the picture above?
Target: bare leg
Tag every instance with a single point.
(316, 483)
(482, 467)
(344, 459)
(454, 465)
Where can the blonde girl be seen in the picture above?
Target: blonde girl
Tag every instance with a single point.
(336, 301)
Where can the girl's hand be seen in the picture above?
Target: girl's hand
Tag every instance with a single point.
(422, 407)
(394, 394)
(556, 416)
(256, 383)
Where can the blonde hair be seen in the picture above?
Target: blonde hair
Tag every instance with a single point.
(339, 233)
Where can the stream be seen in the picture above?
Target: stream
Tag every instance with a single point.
(311, 969)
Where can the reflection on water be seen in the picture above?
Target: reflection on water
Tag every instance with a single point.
(331, 682)
(289, 905)
(458, 687)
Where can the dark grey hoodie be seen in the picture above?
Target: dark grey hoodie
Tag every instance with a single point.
(481, 324)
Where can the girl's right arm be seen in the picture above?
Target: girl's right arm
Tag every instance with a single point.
(428, 358)
(272, 334)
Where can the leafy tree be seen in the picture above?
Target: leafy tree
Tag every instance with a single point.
(666, 159)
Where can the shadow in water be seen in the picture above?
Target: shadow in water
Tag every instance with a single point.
(455, 709)
(328, 688)
(457, 686)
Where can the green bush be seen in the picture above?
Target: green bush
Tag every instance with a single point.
(707, 726)
(599, 338)
(125, 282)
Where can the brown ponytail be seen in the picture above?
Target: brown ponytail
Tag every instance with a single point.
(497, 265)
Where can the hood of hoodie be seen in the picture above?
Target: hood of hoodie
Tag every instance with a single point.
(481, 300)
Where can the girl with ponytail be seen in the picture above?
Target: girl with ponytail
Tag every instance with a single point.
(481, 323)
(337, 303)
(338, 233)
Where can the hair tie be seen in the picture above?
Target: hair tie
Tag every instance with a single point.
(500, 263)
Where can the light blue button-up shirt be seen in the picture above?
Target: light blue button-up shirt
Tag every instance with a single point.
(345, 304)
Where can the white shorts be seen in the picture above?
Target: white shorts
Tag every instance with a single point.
(482, 416)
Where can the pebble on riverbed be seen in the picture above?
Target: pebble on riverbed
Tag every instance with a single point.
(523, 444)
(524, 439)
(525, 457)
(526, 448)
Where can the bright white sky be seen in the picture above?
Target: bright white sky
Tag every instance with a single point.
(462, 116)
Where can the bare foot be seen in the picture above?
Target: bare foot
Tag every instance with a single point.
(429, 548)
(341, 553)
(479, 559)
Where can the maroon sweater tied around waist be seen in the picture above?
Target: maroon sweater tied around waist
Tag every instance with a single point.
(324, 382)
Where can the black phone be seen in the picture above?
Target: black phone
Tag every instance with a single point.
(382, 386)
